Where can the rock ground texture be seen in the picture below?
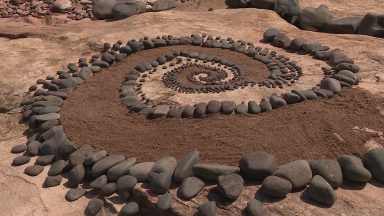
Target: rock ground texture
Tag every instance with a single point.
(24, 195)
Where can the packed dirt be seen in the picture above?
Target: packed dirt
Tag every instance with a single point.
(31, 49)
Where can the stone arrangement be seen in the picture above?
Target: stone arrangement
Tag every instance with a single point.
(317, 19)
(111, 173)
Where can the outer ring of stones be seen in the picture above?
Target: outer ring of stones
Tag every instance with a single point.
(52, 145)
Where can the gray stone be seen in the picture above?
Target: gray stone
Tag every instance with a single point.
(241, 109)
(125, 184)
(321, 191)
(346, 66)
(99, 182)
(76, 175)
(91, 159)
(18, 149)
(190, 187)
(18, 161)
(374, 161)
(126, 8)
(353, 169)
(213, 106)
(160, 111)
(85, 73)
(315, 17)
(140, 170)
(330, 170)
(370, 26)
(108, 189)
(331, 85)
(102, 9)
(174, 113)
(297, 172)
(33, 148)
(255, 208)
(47, 117)
(253, 107)
(188, 111)
(297, 44)
(161, 5)
(287, 7)
(94, 206)
(57, 167)
(276, 101)
(207, 209)
(309, 94)
(211, 172)
(200, 110)
(120, 169)
(164, 201)
(263, 4)
(291, 98)
(265, 106)
(350, 75)
(45, 160)
(160, 176)
(237, 3)
(52, 181)
(184, 166)
(79, 156)
(33, 170)
(230, 185)
(281, 40)
(74, 194)
(345, 25)
(337, 56)
(257, 165)
(130, 209)
(100, 63)
(101, 166)
(275, 186)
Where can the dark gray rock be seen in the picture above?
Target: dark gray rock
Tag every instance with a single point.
(321, 191)
(354, 78)
(79, 156)
(200, 110)
(346, 66)
(253, 107)
(161, 5)
(207, 209)
(160, 111)
(287, 7)
(102, 9)
(57, 144)
(213, 106)
(277, 101)
(33, 148)
(270, 33)
(188, 111)
(99, 182)
(160, 176)
(120, 169)
(184, 166)
(18, 149)
(85, 73)
(33, 170)
(18, 161)
(374, 161)
(140, 170)
(91, 159)
(263, 4)
(100, 63)
(297, 44)
(230, 185)
(265, 106)
(47, 117)
(275, 186)
(108, 189)
(331, 85)
(76, 175)
(337, 56)
(211, 172)
(297, 172)
(57, 167)
(370, 26)
(237, 3)
(257, 165)
(190, 187)
(174, 113)
(315, 17)
(164, 201)
(241, 109)
(310, 46)
(345, 25)
(74, 194)
(353, 169)
(291, 98)
(130, 209)
(255, 208)
(330, 170)
(52, 181)
(45, 160)
(281, 40)
(125, 184)
(126, 8)
(101, 166)
(94, 206)
(308, 94)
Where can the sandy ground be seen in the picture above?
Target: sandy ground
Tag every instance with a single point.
(40, 50)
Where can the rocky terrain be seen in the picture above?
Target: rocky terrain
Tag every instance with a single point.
(34, 48)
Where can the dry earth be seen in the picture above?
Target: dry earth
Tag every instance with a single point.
(32, 49)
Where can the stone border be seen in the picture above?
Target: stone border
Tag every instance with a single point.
(109, 174)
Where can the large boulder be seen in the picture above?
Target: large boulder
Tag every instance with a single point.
(345, 25)
(353, 169)
(315, 17)
(102, 9)
(126, 8)
(161, 5)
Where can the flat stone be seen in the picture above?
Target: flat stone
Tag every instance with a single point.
(90, 160)
(85, 73)
(74, 194)
(345, 25)
(18, 149)
(211, 172)
(331, 85)
(99, 182)
(374, 161)
(183, 169)
(130, 209)
(257, 165)
(350, 75)
(100, 63)
(45, 160)
(164, 201)
(207, 209)
(33, 170)
(297, 172)
(255, 208)
(120, 169)
(52, 181)
(347, 66)
(108, 189)
(275, 186)
(94, 206)
(321, 191)
(125, 184)
(160, 111)
(76, 174)
(57, 167)
(353, 169)
(141, 170)
(101, 166)
(213, 106)
(309, 94)
(330, 170)
(190, 187)
(230, 185)
(20, 160)
(253, 107)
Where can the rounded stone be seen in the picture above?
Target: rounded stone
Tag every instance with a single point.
(211, 172)
(140, 170)
(291, 98)
(253, 107)
(125, 184)
(321, 191)
(183, 169)
(57, 167)
(297, 172)
(45, 160)
(74, 194)
(99, 182)
(265, 106)
(213, 106)
(18, 161)
(330, 170)
(228, 107)
(18, 149)
(275, 186)
(33, 170)
(331, 85)
(230, 186)
(52, 181)
(95, 157)
(255, 208)
(353, 169)
(76, 174)
(33, 148)
(120, 169)
(241, 109)
(270, 34)
(374, 161)
(94, 206)
(101, 166)
(164, 201)
(190, 187)
(257, 165)
(276, 101)
(108, 189)
(207, 209)
(130, 209)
